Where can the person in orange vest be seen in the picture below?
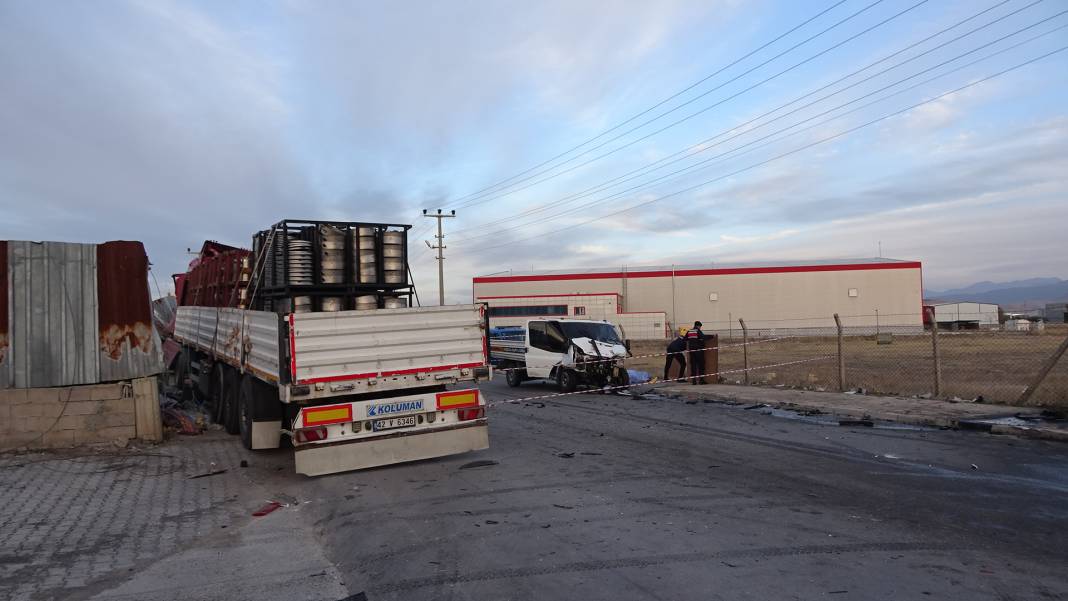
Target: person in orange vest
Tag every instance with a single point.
(695, 347)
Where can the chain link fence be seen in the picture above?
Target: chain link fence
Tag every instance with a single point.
(995, 363)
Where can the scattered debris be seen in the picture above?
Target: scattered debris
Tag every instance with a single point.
(206, 474)
(547, 526)
(244, 463)
(563, 506)
(691, 402)
(479, 463)
(492, 522)
(268, 508)
(729, 564)
(856, 422)
(756, 406)
(590, 453)
(565, 455)
(975, 467)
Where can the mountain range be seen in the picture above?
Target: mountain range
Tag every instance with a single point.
(1017, 294)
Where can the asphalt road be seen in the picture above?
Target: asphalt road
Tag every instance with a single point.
(608, 497)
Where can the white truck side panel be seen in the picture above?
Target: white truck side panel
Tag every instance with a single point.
(223, 331)
(387, 342)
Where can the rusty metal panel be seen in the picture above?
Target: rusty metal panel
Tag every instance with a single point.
(52, 315)
(129, 346)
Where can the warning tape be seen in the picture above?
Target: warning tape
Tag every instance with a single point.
(625, 386)
(664, 354)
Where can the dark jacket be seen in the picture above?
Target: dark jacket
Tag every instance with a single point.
(694, 335)
(677, 345)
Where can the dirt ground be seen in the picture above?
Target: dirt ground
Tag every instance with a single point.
(995, 365)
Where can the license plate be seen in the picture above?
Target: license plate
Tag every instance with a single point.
(393, 422)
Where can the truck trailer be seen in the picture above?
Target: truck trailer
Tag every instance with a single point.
(308, 340)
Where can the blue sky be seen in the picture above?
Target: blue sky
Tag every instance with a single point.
(173, 122)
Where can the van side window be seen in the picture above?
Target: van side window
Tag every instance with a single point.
(537, 335)
(557, 341)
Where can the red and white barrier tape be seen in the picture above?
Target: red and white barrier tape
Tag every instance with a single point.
(625, 386)
(664, 354)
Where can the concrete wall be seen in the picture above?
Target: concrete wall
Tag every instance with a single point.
(766, 299)
(42, 418)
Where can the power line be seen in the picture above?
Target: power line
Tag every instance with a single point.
(487, 198)
(790, 152)
(699, 145)
(705, 149)
(661, 103)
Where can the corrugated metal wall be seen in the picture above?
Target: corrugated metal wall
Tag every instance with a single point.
(52, 315)
(76, 314)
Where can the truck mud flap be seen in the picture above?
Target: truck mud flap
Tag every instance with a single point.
(317, 460)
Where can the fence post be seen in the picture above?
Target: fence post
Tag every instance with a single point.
(937, 357)
(841, 356)
(745, 350)
(1042, 373)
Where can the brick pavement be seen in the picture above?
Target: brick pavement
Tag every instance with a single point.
(69, 520)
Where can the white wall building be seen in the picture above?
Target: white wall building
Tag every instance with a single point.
(803, 295)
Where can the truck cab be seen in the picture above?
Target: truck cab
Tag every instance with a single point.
(571, 352)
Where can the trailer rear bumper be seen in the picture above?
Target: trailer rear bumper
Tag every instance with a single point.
(320, 459)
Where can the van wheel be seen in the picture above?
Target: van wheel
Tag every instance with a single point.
(567, 380)
(514, 376)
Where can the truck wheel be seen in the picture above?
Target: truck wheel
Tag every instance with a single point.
(229, 408)
(514, 376)
(567, 380)
(218, 392)
(244, 411)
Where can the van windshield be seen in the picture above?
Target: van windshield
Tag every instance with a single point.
(603, 332)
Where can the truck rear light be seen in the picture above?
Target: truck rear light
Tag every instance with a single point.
(311, 434)
(467, 415)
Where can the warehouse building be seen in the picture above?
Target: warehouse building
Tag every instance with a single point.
(955, 316)
(649, 302)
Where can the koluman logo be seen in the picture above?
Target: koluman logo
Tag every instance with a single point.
(394, 408)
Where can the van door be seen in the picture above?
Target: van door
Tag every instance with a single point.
(546, 346)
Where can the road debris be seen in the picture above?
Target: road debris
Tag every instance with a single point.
(206, 474)
(565, 455)
(268, 508)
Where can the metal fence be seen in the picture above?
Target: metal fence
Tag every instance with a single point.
(995, 365)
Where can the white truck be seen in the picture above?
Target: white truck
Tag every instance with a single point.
(349, 389)
(571, 352)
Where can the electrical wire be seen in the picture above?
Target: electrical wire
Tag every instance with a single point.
(790, 152)
(699, 147)
(487, 198)
(734, 150)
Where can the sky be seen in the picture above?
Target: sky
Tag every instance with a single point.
(563, 133)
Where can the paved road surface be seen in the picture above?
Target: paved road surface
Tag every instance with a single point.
(604, 497)
(601, 497)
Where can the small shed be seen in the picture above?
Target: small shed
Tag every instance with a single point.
(75, 314)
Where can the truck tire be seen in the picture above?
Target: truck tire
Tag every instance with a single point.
(181, 375)
(514, 375)
(245, 398)
(229, 407)
(218, 392)
(567, 380)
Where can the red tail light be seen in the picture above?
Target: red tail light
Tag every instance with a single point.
(311, 434)
(466, 415)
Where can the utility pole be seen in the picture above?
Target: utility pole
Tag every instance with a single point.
(440, 246)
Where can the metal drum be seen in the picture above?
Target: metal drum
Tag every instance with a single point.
(365, 256)
(302, 304)
(300, 263)
(367, 302)
(393, 249)
(395, 302)
(333, 303)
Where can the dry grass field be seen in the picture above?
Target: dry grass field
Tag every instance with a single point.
(995, 365)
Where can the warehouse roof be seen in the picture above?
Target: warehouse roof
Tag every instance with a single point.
(701, 269)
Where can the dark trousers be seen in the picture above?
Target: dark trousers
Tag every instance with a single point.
(674, 357)
(697, 364)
